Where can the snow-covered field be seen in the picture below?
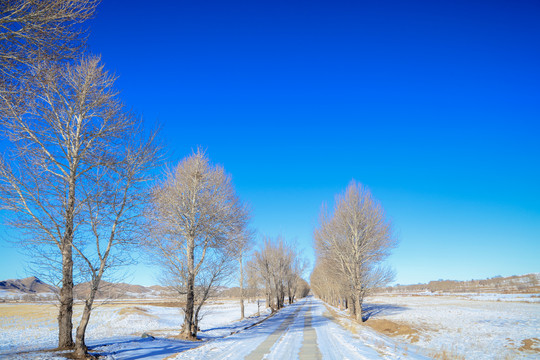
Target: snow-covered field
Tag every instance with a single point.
(469, 326)
(304, 330)
(26, 327)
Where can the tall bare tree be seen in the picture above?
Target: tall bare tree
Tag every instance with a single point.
(351, 243)
(198, 226)
(294, 276)
(254, 281)
(34, 32)
(60, 141)
(116, 196)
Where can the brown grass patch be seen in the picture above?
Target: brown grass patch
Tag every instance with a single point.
(27, 311)
(134, 310)
(392, 328)
(530, 345)
(446, 355)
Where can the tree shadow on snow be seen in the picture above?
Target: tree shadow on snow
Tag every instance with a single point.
(235, 326)
(142, 348)
(370, 310)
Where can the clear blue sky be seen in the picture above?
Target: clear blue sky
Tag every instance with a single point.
(434, 105)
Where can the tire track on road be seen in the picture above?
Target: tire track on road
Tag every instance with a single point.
(266, 345)
(310, 349)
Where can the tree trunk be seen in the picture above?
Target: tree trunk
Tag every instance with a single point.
(195, 326)
(358, 309)
(190, 297)
(241, 290)
(269, 299)
(65, 313)
(80, 345)
(289, 294)
(352, 304)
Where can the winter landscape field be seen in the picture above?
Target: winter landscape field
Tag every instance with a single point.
(407, 326)
(207, 180)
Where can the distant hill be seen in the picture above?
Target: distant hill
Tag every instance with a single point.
(32, 288)
(118, 290)
(517, 284)
(29, 285)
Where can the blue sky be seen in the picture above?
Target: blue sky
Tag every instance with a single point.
(435, 106)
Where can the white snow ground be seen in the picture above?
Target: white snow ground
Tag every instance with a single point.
(332, 340)
(121, 325)
(471, 326)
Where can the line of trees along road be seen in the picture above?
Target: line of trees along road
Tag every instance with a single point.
(75, 180)
(279, 267)
(351, 242)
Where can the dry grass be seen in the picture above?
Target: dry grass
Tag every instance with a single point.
(392, 328)
(27, 316)
(386, 327)
(532, 344)
(134, 310)
(27, 311)
(445, 355)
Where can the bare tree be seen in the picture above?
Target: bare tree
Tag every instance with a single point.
(41, 30)
(280, 267)
(245, 245)
(197, 220)
(113, 212)
(254, 281)
(351, 243)
(302, 289)
(60, 142)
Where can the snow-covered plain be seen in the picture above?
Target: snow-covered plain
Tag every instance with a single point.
(470, 326)
(333, 341)
(30, 327)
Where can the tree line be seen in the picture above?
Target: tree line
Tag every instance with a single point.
(351, 243)
(78, 181)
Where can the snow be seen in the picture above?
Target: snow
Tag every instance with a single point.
(333, 341)
(25, 327)
(530, 298)
(474, 326)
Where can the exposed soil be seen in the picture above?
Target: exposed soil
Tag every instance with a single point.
(392, 328)
(134, 310)
(530, 345)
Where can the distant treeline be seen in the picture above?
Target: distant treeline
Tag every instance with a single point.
(523, 284)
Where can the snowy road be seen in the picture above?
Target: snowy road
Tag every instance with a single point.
(300, 331)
